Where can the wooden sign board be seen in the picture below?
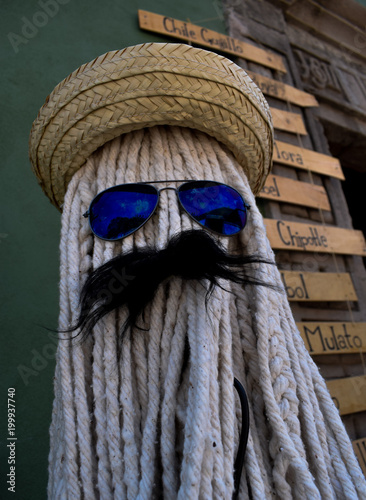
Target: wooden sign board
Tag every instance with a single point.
(348, 394)
(285, 235)
(182, 30)
(333, 338)
(289, 122)
(318, 287)
(282, 91)
(297, 157)
(282, 189)
(359, 447)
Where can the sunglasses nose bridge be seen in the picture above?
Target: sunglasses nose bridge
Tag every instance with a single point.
(168, 187)
(173, 201)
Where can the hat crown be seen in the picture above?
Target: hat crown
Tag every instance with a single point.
(142, 86)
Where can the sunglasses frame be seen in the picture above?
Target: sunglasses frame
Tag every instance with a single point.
(158, 191)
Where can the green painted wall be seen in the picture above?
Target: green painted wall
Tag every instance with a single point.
(31, 66)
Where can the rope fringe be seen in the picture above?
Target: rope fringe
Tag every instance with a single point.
(159, 423)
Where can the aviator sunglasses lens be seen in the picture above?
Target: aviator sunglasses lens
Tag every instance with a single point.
(121, 210)
(215, 206)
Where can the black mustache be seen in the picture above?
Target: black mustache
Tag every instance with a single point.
(132, 279)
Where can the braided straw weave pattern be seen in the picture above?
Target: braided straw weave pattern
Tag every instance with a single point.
(142, 86)
(158, 422)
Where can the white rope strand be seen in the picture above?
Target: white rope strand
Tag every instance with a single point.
(155, 414)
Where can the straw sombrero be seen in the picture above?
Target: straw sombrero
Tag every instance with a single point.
(147, 85)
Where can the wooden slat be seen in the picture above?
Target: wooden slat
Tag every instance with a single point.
(333, 338)
(282, 91)
(298, 193)
(297, 157)
(348, 394)
(314, 17)
(359, 447)
(319, 287)
(286, 235)
(202, 36)
(289, 122)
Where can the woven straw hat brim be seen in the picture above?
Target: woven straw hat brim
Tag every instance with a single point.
(147, 85)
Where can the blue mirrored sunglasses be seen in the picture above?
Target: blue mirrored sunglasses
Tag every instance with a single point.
(121, 210)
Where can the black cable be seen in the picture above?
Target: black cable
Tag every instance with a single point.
(239, 461)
